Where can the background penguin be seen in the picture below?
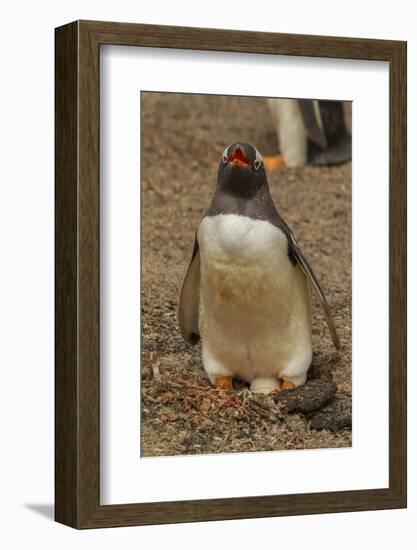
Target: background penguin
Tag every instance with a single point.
(310, 131)
(246, 290)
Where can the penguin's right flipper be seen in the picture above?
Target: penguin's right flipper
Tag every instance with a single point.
(314, 129)
(189, 299)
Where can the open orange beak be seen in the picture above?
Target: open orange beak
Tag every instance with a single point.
(238, 157)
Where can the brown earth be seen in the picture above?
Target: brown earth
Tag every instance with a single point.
(183, 137)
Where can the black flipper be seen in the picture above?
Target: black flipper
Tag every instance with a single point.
(296, 253)
(315, 132)
(339, 141)
(189, 299)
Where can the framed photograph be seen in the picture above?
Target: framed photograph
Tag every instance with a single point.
(230, 274)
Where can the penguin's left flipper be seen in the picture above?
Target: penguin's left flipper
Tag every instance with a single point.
(309, 273)
(189, 299)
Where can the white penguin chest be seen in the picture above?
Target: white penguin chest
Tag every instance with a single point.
(243, 260)
(255, 315)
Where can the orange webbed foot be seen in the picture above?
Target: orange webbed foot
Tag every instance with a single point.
(274, 162)
(224, 382)
(287, 385)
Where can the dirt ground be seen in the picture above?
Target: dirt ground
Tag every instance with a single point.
(183, 137)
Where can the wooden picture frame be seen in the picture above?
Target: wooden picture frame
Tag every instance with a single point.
(77, 373)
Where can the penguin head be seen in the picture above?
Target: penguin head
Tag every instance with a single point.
(241, 170)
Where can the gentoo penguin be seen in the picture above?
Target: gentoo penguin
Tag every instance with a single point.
(310, 132)
(246, 290)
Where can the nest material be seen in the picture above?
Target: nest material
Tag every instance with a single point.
(193, 417)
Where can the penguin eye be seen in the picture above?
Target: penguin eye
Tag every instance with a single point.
(258, 160)
(224, 159)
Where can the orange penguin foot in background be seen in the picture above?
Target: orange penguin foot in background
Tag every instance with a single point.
(287, 385)
(224, 382)
(274, 162)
